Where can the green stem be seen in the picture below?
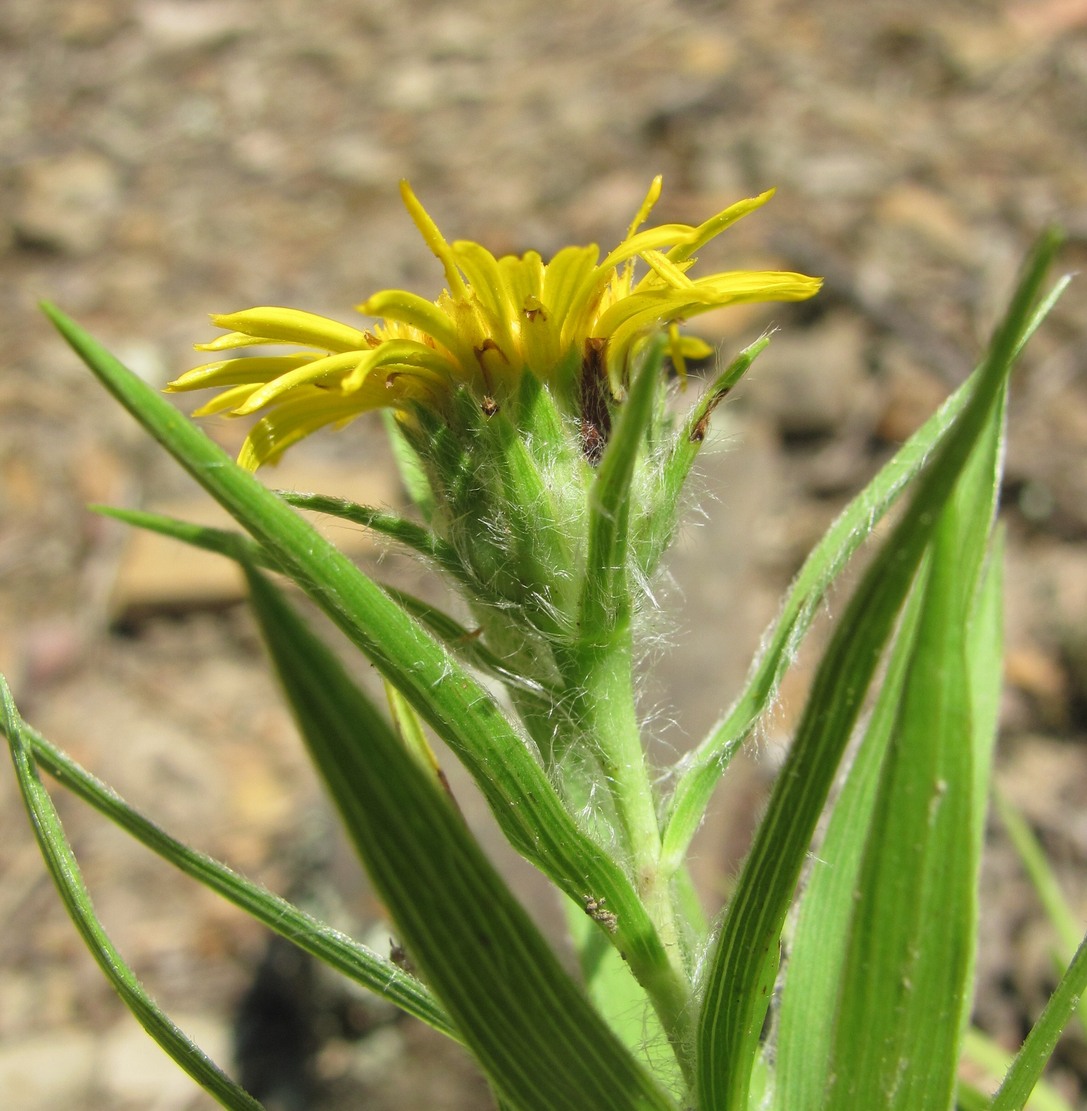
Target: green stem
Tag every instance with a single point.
(600, 681)
(608, 717)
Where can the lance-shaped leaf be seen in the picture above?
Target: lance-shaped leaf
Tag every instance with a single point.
(1035, 1052)
(704, 766)
(810, 996)
(670, 998)
(462, 642)
(534, 1032)
(813, 994)
(455, 706)
(905, 985)
(984, 1057)
(412, 536)
(744, 961)
(605, 599)
(64, 869)
(353, 960)
(656, 529)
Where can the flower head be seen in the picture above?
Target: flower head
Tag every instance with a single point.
(499, 319)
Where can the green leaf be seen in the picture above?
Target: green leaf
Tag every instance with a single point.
(736, 996)
(452, 703)
(985, 1054)
(641, 949)
(985, 659)
(701, 769)
(348, 957)
(464, 643)
(409, 466)
(810, 994)
(657, 527)
(533, 1031)
(1035, 1052)
(64, 869)
(460, 711)
(905, 986)
(597, 670)
(415, 537)
(209, 539)
(605, 599)
(619, 998)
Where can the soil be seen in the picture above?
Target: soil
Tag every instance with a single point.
(165, 159)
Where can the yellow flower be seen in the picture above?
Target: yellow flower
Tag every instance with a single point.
(498, 319)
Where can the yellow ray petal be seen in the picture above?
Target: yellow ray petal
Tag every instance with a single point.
(277, 325)
(233, 372)
(328, 371)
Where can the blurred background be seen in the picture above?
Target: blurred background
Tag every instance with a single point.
(166, 159)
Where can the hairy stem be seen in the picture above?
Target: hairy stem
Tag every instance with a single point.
(600, 681)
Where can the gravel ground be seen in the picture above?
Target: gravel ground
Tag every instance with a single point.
(166, 159)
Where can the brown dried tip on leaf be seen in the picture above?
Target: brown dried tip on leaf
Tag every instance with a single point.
(698, 432)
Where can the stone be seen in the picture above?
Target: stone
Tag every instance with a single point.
(67, 203)
(160, 575)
